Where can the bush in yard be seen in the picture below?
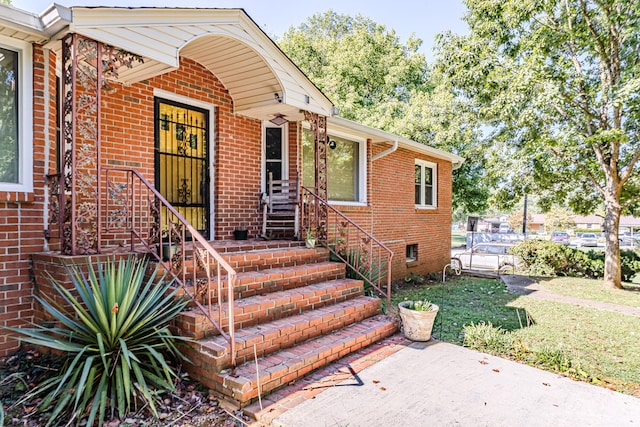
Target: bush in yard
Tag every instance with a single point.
(544, 258)
(114, 335)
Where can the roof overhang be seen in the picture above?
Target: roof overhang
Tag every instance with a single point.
(225, 41)
(378, 136)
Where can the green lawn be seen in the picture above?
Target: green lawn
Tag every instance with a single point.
(592, 289)
(585, 343)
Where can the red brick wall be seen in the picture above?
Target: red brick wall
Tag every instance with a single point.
(398, 223)
(391, 213)
(235, 148)
(127, 141)
(22, 214)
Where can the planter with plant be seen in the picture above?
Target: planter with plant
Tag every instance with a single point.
(310, 239)
(114, 332)
(417, 319)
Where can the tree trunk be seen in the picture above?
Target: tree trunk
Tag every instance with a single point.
(612, 264)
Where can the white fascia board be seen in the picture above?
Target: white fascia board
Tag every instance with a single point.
(378, 136)
(21, 20)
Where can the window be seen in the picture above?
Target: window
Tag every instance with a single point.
(345, 162)
(16, 148)
(412, 253)
(425, 184)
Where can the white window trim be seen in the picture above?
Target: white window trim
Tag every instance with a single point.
(434, 168)
(285, 153)
(25, 115)
(159, 93)
(362, 167)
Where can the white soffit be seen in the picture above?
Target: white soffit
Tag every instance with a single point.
(226, 41)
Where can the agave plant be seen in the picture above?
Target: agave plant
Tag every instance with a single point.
(115, 335)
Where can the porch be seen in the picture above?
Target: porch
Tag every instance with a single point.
(106, 202)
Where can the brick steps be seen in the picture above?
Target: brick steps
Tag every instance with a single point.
(260, 282)
(283, 333)
(293, 307)
(280, 369)
(263, 259)
(263, 308)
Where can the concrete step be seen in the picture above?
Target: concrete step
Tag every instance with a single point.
(281, 368)
(268, 338)
(264, 308)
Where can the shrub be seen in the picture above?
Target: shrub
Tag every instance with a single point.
(114, 335)
(487, 338)
(544, 258)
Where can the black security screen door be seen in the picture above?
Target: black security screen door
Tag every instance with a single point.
(182, 156)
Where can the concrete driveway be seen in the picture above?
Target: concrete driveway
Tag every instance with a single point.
(441, 384)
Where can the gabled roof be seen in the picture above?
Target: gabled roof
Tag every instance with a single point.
(226, 41)
(260, 78)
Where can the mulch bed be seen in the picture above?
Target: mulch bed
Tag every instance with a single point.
(188, 406)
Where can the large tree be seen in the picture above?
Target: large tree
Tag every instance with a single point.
(375, 79)
(556, 82)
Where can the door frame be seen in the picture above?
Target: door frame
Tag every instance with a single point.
(212, 108)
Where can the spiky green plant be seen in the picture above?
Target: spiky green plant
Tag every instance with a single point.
(115, 335)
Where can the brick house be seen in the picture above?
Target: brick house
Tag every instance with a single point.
(122, 129)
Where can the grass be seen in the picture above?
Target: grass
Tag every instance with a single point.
(463, 301)
(592, 289)
(458, 238)
(596, 346)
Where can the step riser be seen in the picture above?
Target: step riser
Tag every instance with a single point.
(242, 391)
(265, 259)
(266, 281)
(194, 325)
(217, 353)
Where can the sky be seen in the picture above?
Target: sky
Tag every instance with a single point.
(424, 18)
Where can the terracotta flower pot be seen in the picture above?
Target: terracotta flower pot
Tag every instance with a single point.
(417, 325)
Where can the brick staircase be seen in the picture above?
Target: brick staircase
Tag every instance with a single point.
(294, 309)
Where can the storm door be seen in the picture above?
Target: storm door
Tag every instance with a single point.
(182, 158)
(275, 154)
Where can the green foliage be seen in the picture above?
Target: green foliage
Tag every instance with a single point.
(372, 270)
(555, 84)
(420, 305)
(494, 340)
(487, 338)
(114, 331)
(375, 79)
(544, 258)
(558, 219)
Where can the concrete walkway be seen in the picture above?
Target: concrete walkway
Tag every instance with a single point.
(400, 383)
(441, 384)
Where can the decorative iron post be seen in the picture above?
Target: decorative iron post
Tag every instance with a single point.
(86, 67)
(82, 80)
(319, 128)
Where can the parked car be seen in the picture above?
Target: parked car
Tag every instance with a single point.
(588, 239)
(486, 256)
(627, 239)
(560, 237)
